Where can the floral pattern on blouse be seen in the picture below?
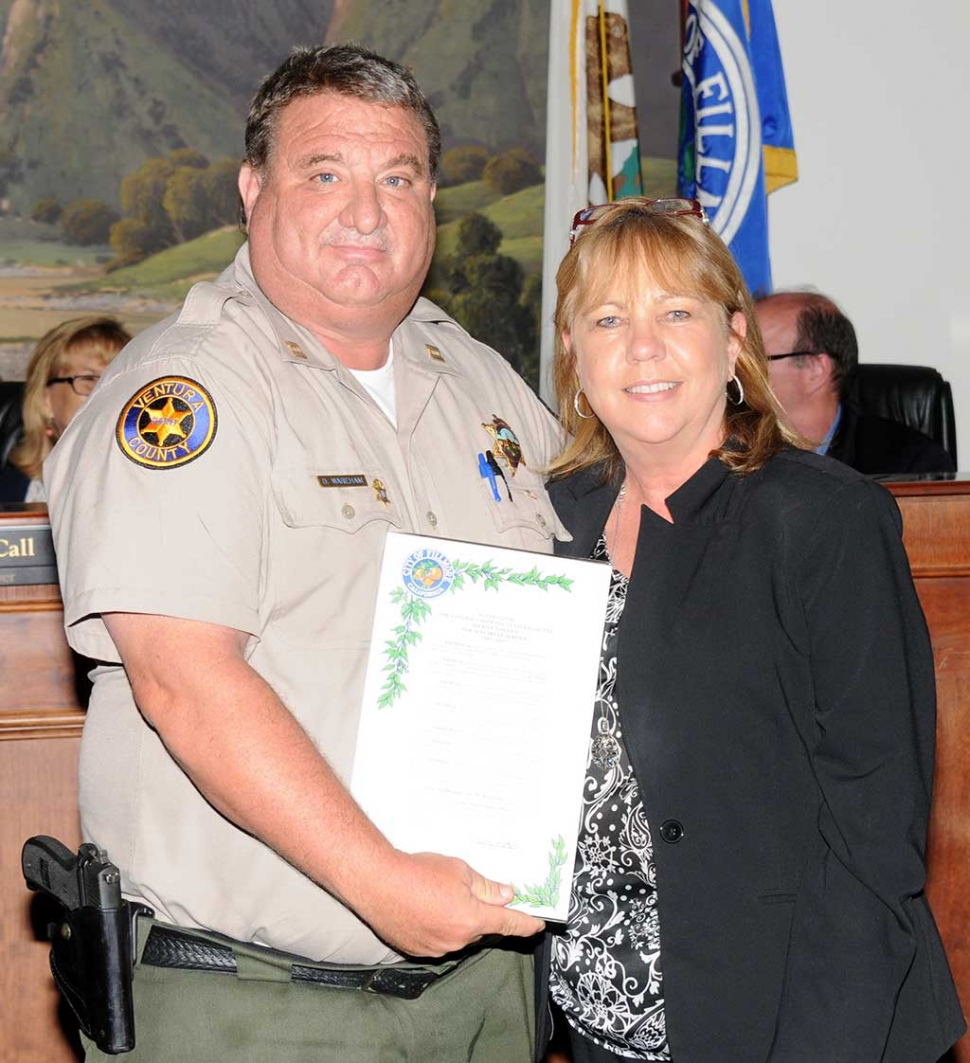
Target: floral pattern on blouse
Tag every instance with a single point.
(606, 974)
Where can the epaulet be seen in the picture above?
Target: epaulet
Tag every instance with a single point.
(428, 312)
(203, 305)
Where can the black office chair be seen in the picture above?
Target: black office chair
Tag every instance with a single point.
(11, 417)
(915, 395)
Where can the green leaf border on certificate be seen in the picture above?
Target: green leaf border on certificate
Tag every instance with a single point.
(415, 610)
(545, 895)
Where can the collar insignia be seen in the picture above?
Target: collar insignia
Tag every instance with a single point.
(169, 422)
(295, 349)
(433, 353)
(507, 445)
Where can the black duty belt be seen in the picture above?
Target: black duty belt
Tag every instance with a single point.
(168, 947)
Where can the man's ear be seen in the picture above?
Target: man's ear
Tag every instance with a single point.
(250, 184)
(819, 371)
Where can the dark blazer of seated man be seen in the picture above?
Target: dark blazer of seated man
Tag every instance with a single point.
(813, 355)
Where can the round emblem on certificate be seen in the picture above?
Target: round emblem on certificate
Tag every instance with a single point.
(428, 573)
(169, 422)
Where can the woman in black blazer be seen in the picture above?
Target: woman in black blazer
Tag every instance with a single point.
(750, 867)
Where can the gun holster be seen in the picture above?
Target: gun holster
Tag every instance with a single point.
(93, 940)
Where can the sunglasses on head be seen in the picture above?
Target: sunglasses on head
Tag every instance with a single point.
(588, 215)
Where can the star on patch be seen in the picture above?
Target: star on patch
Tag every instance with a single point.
(166, 422)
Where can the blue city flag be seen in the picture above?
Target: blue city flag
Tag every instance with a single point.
(736, 141)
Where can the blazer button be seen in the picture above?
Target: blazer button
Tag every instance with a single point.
(671, 830)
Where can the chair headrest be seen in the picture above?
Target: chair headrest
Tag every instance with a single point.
(914, 395)
(11, 417)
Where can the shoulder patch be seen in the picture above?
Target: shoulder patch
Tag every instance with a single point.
(169, 422)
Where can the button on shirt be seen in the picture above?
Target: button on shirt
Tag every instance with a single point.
(275, 530)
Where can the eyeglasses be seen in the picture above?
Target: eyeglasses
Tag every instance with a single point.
(790, 354)
(82, 386)
(588, 215)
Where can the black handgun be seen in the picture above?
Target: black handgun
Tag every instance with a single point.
(92, 953)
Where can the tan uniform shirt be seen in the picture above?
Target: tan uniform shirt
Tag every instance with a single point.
(267, 518)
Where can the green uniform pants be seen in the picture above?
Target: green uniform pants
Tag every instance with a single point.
(479, 1011)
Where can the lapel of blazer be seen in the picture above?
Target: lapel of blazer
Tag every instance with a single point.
(669, 558)
(583, 502)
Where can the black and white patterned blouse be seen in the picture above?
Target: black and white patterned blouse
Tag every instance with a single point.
(606, 967)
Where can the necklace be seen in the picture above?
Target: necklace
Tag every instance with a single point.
(617, 512)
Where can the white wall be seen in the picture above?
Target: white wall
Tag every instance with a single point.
(880, 101)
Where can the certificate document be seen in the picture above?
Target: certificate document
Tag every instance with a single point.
(478, 705)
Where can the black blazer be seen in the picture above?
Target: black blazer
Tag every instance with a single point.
(775, 681)
(876, 445)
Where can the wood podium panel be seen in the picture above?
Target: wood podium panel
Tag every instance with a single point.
(936, 531)
(41, 718)
(40, 727)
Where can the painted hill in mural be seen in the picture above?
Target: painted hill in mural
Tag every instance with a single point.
(91, 88)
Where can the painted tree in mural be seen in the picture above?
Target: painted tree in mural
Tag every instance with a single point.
(87, 221)
(169, 200)
(464, 163)
(47, 210)
(486, 294)
(511, 171)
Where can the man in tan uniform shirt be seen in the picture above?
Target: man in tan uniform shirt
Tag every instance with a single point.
(219, 511)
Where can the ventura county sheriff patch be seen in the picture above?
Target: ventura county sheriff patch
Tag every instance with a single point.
(169, 422)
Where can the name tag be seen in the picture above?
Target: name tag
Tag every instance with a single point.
(356, 479)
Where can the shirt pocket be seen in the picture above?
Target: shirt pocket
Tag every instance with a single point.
(347, 502)
(523, 504)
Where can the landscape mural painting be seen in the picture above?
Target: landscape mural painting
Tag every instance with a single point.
(121, 129)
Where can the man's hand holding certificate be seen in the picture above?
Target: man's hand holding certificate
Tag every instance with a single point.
(478, 707)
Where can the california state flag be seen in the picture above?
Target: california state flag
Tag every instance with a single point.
(592, 150)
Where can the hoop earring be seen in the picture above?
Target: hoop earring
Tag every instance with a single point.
(740, 387)
(579, 412)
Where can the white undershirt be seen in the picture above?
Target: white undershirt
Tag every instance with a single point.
(380, 384)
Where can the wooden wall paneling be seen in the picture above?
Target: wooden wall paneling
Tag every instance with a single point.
(39, 797)
(40, 727)
(936, 531)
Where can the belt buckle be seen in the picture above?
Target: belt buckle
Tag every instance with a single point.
(405, 982)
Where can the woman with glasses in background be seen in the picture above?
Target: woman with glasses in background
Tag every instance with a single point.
(63, 371)
(750, 868)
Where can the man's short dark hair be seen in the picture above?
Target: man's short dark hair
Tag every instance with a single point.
(823, 328)
(346, 69)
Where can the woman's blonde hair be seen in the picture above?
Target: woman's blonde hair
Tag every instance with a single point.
(98, 335)
(684, 256)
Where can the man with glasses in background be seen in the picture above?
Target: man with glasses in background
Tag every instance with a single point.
(813, 355)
